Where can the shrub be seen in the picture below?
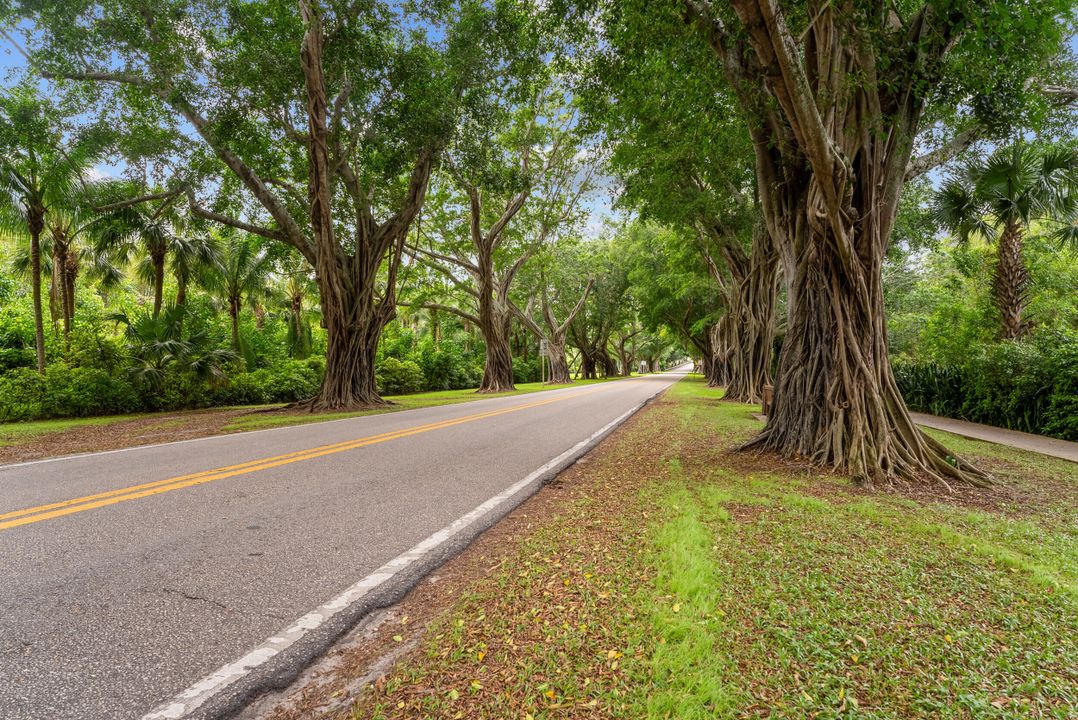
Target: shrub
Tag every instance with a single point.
(446, 367)
(285, 381)
(64, 392)
(16, 338)
(21, 393)
(1061, 415)
(526, 371)
(398, 377)
(1030, 386)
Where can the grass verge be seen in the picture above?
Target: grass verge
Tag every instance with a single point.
(668, 577)
(47, 438)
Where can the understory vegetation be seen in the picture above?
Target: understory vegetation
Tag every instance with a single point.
(707, 585)
(943, 323)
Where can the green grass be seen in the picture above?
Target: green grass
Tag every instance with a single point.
(680, 582)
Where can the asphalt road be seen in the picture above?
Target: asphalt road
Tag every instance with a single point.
(116, 599)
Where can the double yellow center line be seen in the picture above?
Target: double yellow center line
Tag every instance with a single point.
(26, 516)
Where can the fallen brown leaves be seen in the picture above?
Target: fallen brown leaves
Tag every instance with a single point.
(474, 630)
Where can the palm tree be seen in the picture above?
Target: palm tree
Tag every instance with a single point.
(39, 176)
(297, 284)
(241, 275)
(66, 250)
(156, 345)
(999, 200)
(161, 241)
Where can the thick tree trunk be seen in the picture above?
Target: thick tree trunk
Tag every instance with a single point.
(836, 401)
(495, 323)
(36, 224)
(181, 292)
(350, 368)
(498, 368)
(354, 324)
(707, 369)
(747, 329)
(559, 366)
(831, 159)
(1011, 282)
(609, 366)
(587, 365)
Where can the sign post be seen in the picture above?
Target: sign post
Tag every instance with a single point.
(542, 359)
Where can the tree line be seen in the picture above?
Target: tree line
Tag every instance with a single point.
(443, 158)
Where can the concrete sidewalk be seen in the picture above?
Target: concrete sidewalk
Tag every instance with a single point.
(1000, 436)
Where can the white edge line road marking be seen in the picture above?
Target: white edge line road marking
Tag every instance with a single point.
(306, 424)
(195, 696)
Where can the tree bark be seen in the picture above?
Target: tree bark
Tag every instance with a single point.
(36, 224)
(1011, 282)
(495, 322)
(353, 311)
(234, 315)
(559, 366)
(63, 279)
(747, 328)
(831, 158)
(587, 365)
(158, 260)
(350, 380)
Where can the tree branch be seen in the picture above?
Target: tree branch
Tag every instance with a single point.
(168, 194)
(447, 308)
(460, 262)
(221, 219)
(527, 321)
(576, 308)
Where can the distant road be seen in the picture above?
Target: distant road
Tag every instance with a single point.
(173, 581)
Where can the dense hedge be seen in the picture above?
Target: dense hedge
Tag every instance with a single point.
(81, 392)
(1030, 386)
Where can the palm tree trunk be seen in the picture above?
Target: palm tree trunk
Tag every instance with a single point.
(70, 276)
(234, 314)
(158, 281)
(36, 223)
(1010, 283)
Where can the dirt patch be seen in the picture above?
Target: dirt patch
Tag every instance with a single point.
(148, 430)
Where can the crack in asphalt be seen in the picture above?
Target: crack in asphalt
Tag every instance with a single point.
(188, 596)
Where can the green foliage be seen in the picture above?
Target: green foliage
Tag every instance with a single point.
(446, 366)
(399, 377)
(16, 337)
(526, 371)
(1030, 386)
(284, 382)
(64, 392)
